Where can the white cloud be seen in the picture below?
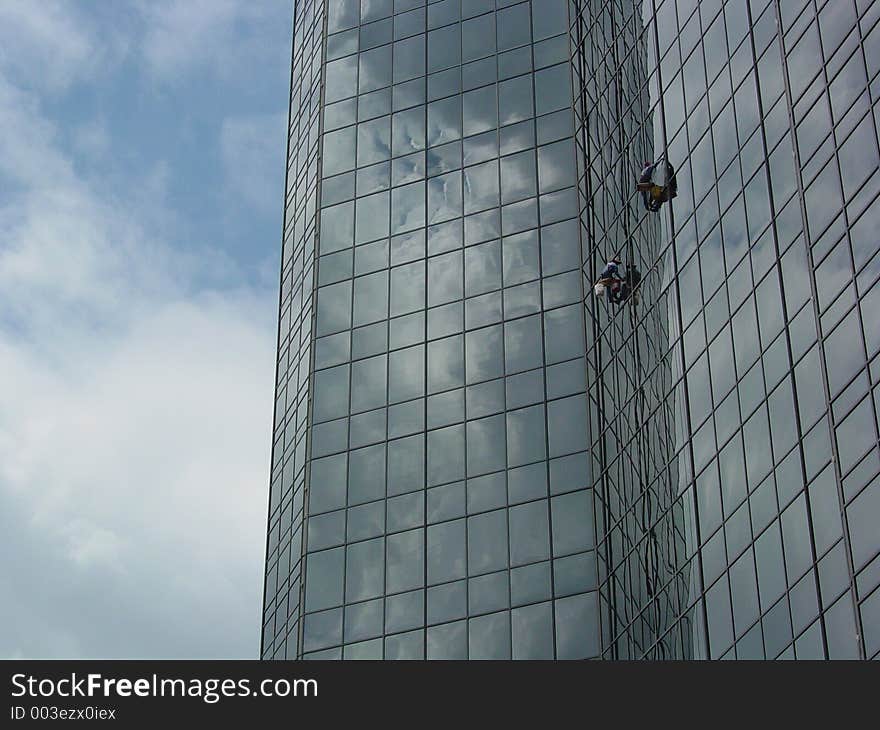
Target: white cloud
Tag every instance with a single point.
(91, 140)
(226, 37)
(138, 485)
(27, 155)
(50, 44)
(135, 415)
(250, 149)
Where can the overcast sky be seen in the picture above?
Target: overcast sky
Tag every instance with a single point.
(141, 180)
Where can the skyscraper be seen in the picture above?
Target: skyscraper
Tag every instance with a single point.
(474, 456)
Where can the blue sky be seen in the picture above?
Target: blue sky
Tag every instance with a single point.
(141, 186)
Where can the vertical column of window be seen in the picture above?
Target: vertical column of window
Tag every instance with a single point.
(406, 500)
(863, 507)
(273, 560)
(738, 532)
(445, 537)
(660, 518)
(671, 482)
(573, 581)
(853, 410)
(299, 246)
(702, 253)
(405, 550)
(282, 590)
(784, 409)
(701, 237)
(585, 73)
(305, 232)
(607, 29)
(641, 499)
(670, 39)
(601, 57)
(837, 320)
(376, 295)
(328, 423)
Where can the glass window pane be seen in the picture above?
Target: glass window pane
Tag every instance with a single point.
(341, 77)
(341, 14)
(409, 58)
(404, 611)
(334, 308)
(567, 425)
(515, 100)
(525, 435)
(482, 268)
(577, 627)
(521, 258)
(532, 629)
(481, 187)
(407, 208)
(484, 354)
(375, 69)
(405, 558)
(406, 373)
(448, 641)
(513, 26)
(518, 177)
(552, 89)
(364, 570)
(339, 150)
(444, 278)
(324, 582)
(445, 455)
(331, 393)
(552, 19)
(371, 218)
(444, 48)
(366, 479)
(406, 465)
(327, 483)
(522, 344)
(447, 602)
(478, 37)
(480, 110)
(374, 141)
(572, 523)
(446, 552)
(487, 542)
(556, 166)
(529, 533)
(370, 298)
(368, 379)
(408, 129)
(444, 197)
(485, 445)
(490, 636)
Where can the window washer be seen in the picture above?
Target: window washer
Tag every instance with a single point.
(657, 185)
(610, 281)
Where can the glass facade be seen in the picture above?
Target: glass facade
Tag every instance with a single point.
(475, 457)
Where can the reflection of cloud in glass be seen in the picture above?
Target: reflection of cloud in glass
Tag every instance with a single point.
(444, 197)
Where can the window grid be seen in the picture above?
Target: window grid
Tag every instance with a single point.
(721, 440)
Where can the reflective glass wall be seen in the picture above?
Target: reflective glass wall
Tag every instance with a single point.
(643, 562)
(474, 456)
(283, 588)
(734, 440)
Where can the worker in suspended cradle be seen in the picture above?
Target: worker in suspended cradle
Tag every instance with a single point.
(657, 184)
(610, 281)
(618, 288)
